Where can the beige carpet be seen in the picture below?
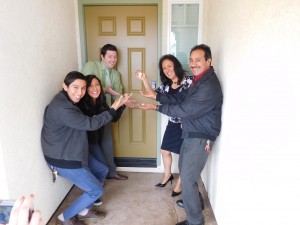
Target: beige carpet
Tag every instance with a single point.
(137, 201)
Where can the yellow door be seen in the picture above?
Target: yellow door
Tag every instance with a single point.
(133, 30)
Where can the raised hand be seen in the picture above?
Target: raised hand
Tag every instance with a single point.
(149, 93)
(121, 101)
(140, 75)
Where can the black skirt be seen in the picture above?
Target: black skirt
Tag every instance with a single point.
(172, 138)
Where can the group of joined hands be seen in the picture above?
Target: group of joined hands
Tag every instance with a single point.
(148, 93)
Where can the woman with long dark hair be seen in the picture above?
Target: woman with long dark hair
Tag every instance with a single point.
(100, 141)
(174, 80)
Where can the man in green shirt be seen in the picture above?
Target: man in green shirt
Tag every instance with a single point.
(112, 86)
(104, 70)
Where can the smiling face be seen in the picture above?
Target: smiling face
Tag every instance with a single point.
(75, 90)
(198, 63)
(94, 90)
(110, 59)
(168, 69)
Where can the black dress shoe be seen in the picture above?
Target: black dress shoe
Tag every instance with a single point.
(118, 177)
(183, 223)
(181, 205)
(174, 193)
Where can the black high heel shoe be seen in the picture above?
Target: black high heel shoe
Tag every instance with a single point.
(174, 193)
(163, 185)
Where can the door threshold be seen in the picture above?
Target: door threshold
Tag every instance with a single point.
(141, 169)
(135, 162)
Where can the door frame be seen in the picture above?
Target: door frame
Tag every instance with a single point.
(83, 48)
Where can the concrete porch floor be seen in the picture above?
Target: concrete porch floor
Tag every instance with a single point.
(137, 201)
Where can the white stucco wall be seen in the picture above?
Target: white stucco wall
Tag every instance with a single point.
(254, 174)
(38, 48)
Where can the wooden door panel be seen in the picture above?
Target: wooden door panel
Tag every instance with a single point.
(133, 30)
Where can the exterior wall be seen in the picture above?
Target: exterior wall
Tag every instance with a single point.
(38, 48)
(254, 168)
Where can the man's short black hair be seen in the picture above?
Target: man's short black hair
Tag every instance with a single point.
(107, 47)
(72, 76)
(206, 50)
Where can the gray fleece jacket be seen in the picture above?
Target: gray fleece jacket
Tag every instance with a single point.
(199, 107)
(64, 133)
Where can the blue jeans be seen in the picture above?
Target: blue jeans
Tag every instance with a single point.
(97, 152)
(90, 180)
(98, 168)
